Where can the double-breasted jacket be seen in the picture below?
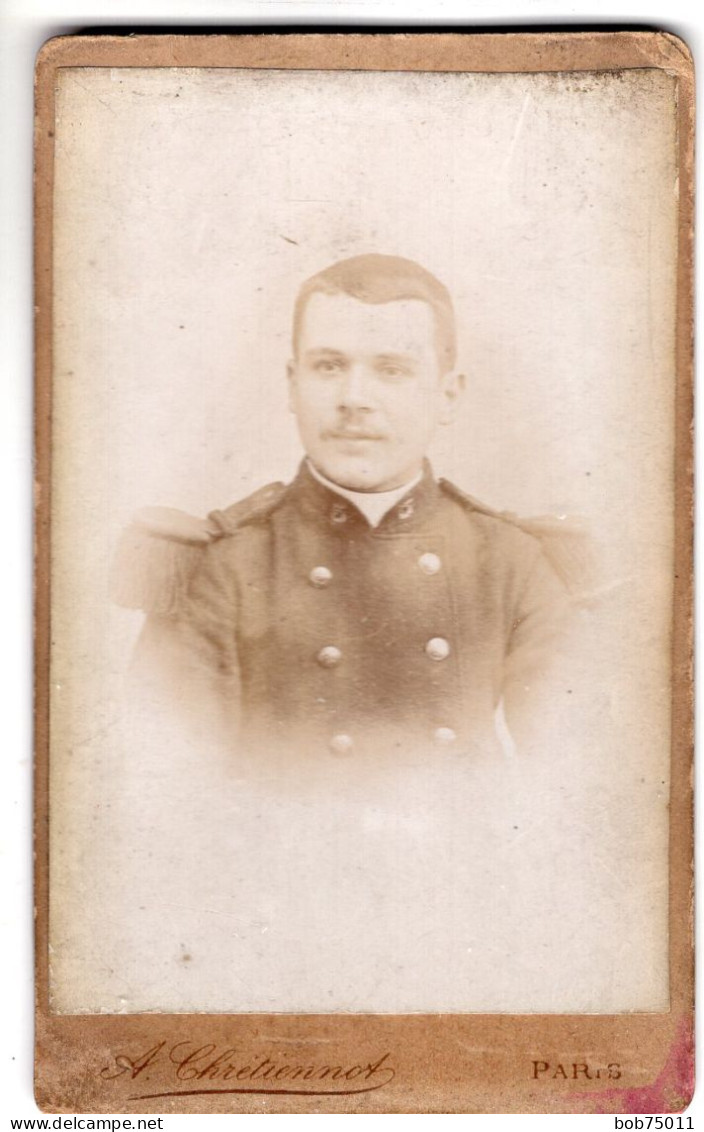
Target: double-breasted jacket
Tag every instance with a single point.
(304, 622)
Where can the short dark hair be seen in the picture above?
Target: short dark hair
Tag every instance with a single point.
(384, 279)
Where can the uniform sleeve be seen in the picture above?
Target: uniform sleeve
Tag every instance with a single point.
(188, 661)
(534, 669)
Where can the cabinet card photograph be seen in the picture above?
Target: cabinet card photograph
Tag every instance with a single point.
(364, 573)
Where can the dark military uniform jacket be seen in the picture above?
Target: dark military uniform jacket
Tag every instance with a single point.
(300, 622)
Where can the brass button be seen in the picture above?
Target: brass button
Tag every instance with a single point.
(406, 509)
(329, 657)
(320, 577)
(438, 648)
(339, 513)
(444, 735)
(429, 563)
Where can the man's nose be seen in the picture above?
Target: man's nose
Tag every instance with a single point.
(356, 389)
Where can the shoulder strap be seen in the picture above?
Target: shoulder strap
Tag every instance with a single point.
(256, 506)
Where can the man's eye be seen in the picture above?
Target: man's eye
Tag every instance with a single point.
(391, 370)
(328, 366)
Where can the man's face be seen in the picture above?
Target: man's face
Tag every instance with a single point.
(367, 389)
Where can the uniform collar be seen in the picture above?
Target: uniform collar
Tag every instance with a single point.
(374, 505)
(340, 513)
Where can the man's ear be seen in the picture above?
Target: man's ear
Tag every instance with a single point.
(291, 379)
(453, 386)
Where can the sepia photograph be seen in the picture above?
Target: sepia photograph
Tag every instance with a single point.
(365, 405)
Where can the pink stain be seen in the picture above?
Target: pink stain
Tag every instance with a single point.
(670, 1092)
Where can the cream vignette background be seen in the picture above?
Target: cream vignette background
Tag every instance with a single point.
(189, 207)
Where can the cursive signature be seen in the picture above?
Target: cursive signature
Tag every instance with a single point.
(199, 1069)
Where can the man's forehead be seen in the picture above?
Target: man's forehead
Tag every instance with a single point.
(338, 320)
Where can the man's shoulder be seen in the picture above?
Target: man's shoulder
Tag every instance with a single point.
(502, 528)
(162, 548)
(565, 543)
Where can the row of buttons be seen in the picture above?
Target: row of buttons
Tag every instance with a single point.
(343, 744)
(437, 648)
(321, 576)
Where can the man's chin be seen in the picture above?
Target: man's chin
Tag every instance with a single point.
(352, 475)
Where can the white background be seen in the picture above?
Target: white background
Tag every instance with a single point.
(25, 26)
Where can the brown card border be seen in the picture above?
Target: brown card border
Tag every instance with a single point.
(407, 1063)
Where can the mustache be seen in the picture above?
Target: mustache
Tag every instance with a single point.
(353, 432)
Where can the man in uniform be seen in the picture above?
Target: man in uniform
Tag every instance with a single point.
(366, 604)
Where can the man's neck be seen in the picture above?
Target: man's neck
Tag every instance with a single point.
(373, 504)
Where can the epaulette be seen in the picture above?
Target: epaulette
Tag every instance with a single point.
(159, 551)
(566, 541)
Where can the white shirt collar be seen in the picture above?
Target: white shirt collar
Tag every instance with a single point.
(373, 504)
